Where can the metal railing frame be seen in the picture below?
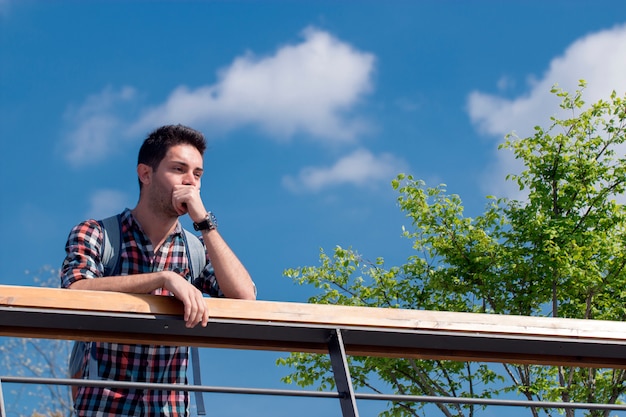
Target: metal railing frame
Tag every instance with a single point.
(585, 347)
(345, 392)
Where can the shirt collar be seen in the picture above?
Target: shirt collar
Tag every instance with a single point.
(129, 220)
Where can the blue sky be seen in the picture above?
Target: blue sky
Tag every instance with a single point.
(310, 108)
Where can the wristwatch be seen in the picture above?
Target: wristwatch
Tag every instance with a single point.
(209, 223)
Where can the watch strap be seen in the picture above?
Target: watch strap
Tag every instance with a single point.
(209, 223)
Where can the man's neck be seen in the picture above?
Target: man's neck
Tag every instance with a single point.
(156, 226)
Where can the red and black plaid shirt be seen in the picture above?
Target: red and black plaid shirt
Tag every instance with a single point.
(137, 363)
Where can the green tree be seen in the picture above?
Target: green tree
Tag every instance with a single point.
(560, 252)
(42, 358)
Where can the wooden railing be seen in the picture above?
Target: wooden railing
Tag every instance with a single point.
(338, 330)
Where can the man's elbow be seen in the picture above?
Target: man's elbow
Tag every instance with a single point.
(247, 293)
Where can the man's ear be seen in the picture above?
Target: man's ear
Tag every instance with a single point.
(144, 172)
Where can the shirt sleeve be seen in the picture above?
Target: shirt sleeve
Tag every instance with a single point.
(207, 283)
(82, 253)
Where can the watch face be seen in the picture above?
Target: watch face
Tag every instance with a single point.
(212, 220)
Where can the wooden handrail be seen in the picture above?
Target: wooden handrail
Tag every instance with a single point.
(284, 326)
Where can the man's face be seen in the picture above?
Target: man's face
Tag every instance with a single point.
(182, 165)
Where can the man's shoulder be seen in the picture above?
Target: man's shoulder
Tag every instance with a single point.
(94, 227)
(86, 226)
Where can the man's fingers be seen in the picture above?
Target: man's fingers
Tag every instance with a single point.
(204, 312)
(196, 311)
(205, 318)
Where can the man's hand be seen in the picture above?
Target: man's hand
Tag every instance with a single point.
(186, 199)
(196, 309)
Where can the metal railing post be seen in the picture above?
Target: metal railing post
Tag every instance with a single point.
(343, 380)
(2, 412)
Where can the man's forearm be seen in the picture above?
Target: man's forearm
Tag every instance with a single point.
(233, 278)
(136, 284)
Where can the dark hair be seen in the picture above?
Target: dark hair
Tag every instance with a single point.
(156, 145)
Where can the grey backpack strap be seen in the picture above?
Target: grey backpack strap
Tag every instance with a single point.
(196, 256)
(111, 245)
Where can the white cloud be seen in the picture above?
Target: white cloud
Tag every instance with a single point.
(104, 202)
(305, 88)
(96, 126)
(309, 88)
(598, 58)
(361, 168)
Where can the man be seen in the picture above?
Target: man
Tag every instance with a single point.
(153, 259)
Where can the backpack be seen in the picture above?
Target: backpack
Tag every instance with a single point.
(111, 246)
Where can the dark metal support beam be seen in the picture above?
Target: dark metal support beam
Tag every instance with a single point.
(2, 412)
(341, 371)
(283, 336)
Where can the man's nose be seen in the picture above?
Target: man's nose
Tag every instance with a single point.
(190, 179)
